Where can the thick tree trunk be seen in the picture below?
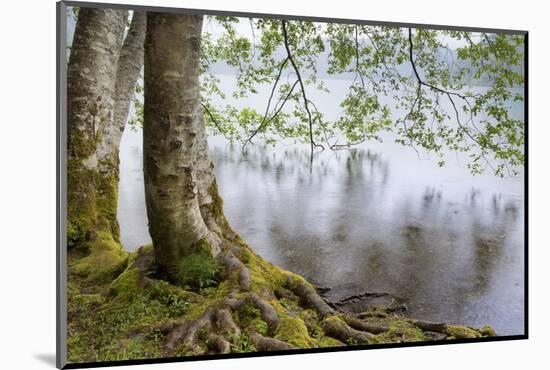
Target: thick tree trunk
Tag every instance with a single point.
(102, 79)
(177, 170)
(91, 80)
(186, 214)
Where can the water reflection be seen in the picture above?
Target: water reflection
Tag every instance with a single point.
(449, 244)
(374, 219)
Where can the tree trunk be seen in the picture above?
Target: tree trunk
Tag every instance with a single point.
(91, 79)
(186, 213)
(176, 165)
(102, 79)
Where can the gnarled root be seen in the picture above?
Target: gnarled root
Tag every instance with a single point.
(268, 344)
(431, 326)
(233, 264)
(363, 326)
(187, 332)
(309, 296)
(337, 328)
(268, 313)
(218, 344)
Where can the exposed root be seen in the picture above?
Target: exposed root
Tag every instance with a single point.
(225, 323)
(431, 326)
(218, 344)
(186, 333)
(363, 326)
(268, 344)
(233, 264)
(268, 313)
(337, 328)
(309, 296)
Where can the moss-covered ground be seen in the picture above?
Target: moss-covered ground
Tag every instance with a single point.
(118, 310)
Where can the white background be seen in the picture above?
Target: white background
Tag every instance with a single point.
(27, 182)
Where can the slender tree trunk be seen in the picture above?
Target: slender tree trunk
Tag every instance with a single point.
(103, 73)
(129, 68)
(91, 80)
(174, 143)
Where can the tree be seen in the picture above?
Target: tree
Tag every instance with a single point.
(186, 219)
(102, 73)
(193, 244)
(425, 77)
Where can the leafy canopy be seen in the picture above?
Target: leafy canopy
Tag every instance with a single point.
(421, 85)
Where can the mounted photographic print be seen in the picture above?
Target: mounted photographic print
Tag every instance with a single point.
(235, 184)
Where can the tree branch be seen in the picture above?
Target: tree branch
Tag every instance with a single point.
(306, 102)
(264, 120)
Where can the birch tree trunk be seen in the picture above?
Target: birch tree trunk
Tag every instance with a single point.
(91, 77)
(102, 76)
(173, 126)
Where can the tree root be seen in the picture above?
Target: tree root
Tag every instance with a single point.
(268, 344)
(363, 326)
(339, 329)
(218, 344)
(309, 296)
(233, 264)
(268, 313)
(217, 332)
(431, 326)
(187, 332)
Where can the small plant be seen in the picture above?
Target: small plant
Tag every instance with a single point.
(197, 271)
(242, 344)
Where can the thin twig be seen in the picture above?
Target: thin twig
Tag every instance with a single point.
(306, 106)
(264, 120)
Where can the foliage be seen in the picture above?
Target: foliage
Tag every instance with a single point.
(197, 271)
(434, 106)
(242, 344)
(431, 79)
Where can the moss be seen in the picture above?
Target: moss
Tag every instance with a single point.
(106, 260)
(126, 285)
(126, 322)
(402, 330)
(263, 275)
(487, 331)
(197, 271)
(92, 199)
(460, 332)
(294, 331)
(250, 317)
(311, 320)
(328, 342)
(215, 209)
(243, 344)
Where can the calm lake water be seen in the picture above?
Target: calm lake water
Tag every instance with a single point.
(376, 218)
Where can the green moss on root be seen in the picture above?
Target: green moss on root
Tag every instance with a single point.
(106, 259)
(117, 315)
(460, 332)
(294, 331)
(487, 331)
(401, 330)
(249, 318)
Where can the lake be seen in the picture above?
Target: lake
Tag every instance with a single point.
(376, 218)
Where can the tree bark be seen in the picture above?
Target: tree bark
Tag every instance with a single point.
(177, 170)
(101, 85)
(90, 103)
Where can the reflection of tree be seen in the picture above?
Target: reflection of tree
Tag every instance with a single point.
(439, 254)
(483, 228)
